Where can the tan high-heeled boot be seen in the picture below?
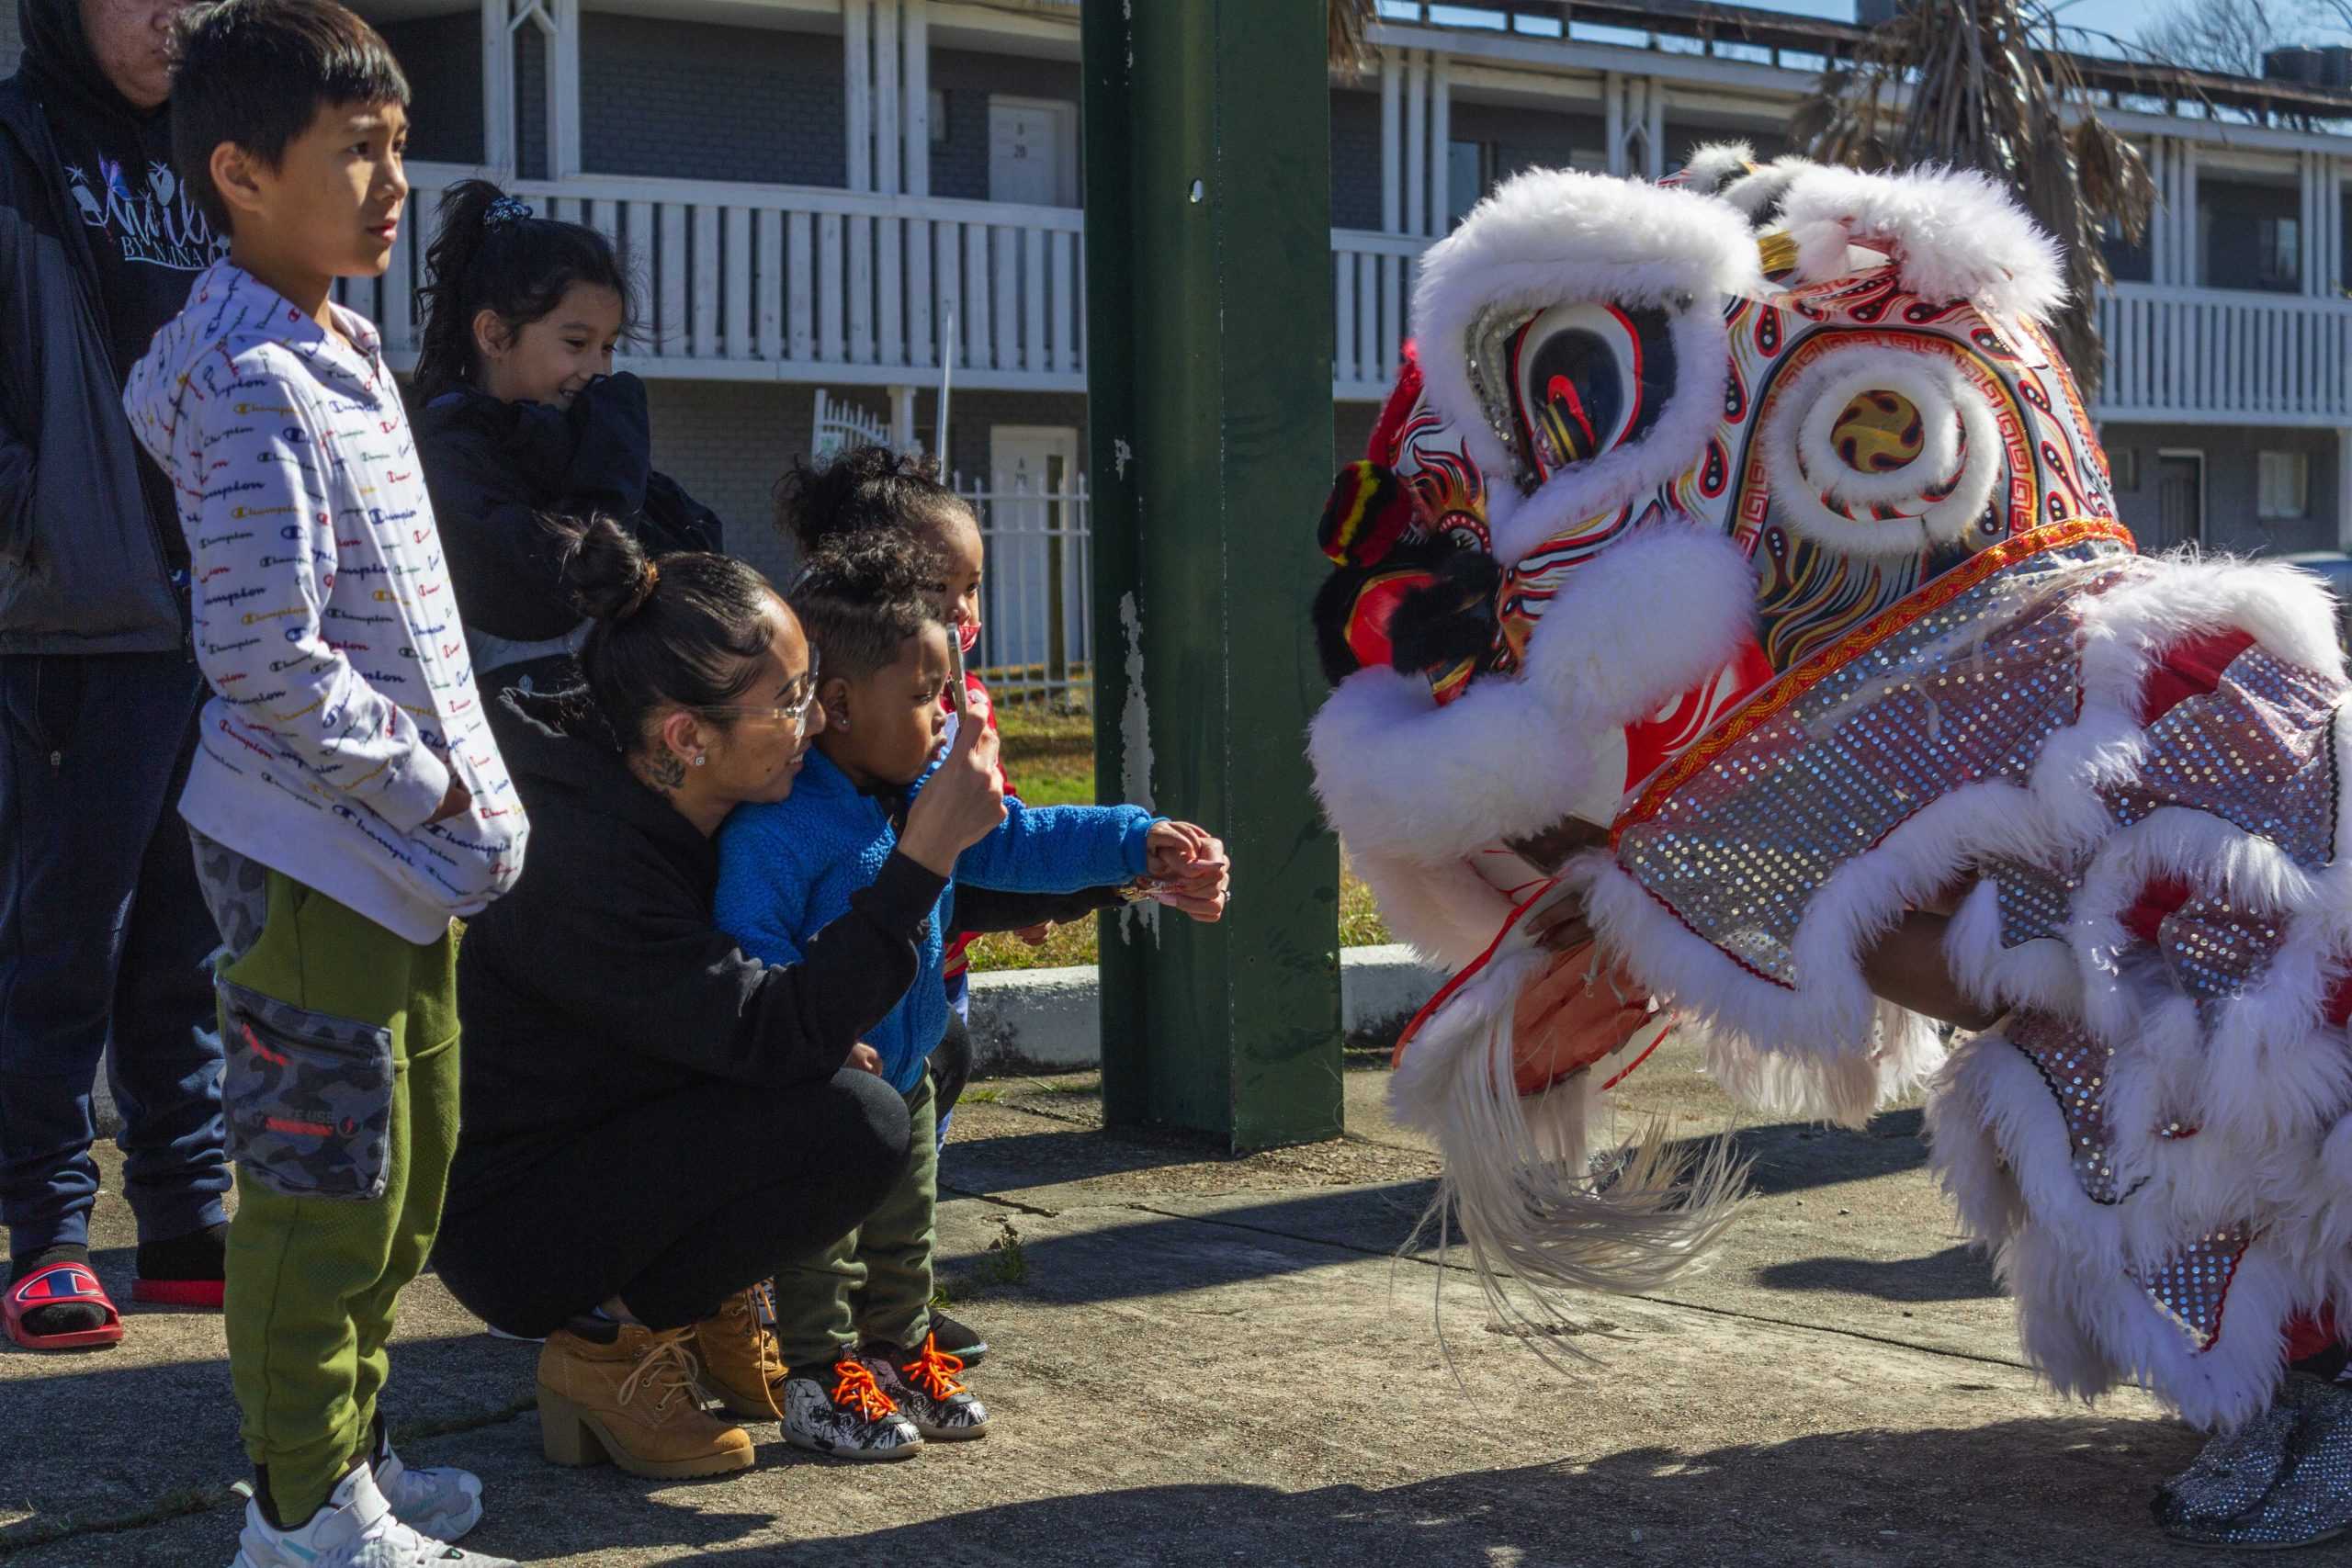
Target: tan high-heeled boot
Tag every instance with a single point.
(741, 1367)
(632, 1399)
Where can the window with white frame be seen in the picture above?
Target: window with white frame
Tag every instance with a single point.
(2282, 484)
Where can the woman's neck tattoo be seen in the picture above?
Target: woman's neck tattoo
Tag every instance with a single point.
(663, 771)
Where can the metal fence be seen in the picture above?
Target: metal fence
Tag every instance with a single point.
(1036, 599)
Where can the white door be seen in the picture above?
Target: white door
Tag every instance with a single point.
(1032, 152)
(1034, 590)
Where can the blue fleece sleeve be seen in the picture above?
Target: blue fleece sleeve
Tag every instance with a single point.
(1058, 849)
(763, 895)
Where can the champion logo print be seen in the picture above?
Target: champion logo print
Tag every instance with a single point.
(306, 511)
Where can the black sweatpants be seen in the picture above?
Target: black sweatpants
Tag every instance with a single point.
(675, 1205)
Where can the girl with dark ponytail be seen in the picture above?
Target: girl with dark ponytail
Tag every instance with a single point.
(654, 1120)
(518, 414)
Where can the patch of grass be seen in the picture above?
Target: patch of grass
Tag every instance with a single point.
(1002, 1264)
(989, 1096)
(1049, 752)
(1005, 1264)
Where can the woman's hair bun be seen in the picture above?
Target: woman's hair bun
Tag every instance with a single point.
(603, 569)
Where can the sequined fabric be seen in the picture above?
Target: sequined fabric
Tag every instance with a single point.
(2256, 752)
(2282, 1479)
(2191, 1287)
(2033, 901)
(1969, 691)
(2214, 949)
(2075, 1067)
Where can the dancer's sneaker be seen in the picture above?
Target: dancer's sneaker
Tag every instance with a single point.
(847, 1414)
(923, 1384)
(355, 1529)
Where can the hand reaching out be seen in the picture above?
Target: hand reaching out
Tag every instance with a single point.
(1188, 866)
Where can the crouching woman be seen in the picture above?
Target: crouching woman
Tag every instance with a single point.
(653, 1119)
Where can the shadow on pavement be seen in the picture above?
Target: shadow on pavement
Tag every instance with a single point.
(1958, 1273)
(2062, 1491)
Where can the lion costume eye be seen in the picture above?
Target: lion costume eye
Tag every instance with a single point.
(1571, 382)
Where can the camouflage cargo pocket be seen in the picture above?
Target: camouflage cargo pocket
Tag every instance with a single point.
(309, 1097)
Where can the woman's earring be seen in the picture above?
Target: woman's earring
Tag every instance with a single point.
(700, 757)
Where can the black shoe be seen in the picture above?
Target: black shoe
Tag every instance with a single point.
(959, 1341)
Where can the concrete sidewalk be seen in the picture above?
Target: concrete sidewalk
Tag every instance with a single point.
(1202, 1360)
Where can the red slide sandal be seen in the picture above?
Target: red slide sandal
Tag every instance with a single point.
(53, 1286)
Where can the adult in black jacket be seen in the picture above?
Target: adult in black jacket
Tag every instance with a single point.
(518, 416)
(103, 930)
(653, 1121)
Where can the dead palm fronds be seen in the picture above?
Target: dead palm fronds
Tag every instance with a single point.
(1960, 82)
(1346, 24)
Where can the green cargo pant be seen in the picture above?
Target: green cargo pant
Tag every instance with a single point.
(311, 1279)
(874, 1285)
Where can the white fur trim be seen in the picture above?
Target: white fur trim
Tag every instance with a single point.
(1757, 194)
(1447, 912)
(1635, 627)
(1954, 235)
(1535, 1222)
(1716, 165)
(1802, 461)
(1554, 236)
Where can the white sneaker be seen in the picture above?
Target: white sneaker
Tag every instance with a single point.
(439, 1501)
(354, 1529)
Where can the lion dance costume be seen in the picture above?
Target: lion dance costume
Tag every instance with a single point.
(1735, 566)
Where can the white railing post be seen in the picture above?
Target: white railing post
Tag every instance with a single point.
(1440, 144)
(1654, 128)
(889, 125)
(1392, 163)
(498, 155)
(915, 27)
(857, 80)
(563, 91)
(1417, 145)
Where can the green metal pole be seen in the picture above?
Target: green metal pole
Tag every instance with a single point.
(1208, 265)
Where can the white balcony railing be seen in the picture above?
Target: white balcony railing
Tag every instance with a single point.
(1372, 297)
(772, 282)
(2225, 356)
(787, 283)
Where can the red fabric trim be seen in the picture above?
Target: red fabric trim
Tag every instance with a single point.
(2189, 667)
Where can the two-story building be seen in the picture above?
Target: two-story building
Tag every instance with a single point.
(841, 201)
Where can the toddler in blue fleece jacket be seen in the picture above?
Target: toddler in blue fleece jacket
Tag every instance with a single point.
(854, 1321)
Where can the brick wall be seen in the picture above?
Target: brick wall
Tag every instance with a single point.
(530, 103)
(726, 442)
(1529, 138)
(1355, 160)
(2231, 483)
(441, 56)
(695, 101)
(959, 165)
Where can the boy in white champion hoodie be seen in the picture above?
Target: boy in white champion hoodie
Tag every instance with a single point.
(347, 798)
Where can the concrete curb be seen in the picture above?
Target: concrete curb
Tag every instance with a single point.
(1051, 1018)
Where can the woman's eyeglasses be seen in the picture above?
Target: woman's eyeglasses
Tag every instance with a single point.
(793, 714)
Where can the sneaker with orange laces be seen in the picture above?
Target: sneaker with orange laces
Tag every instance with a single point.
(847, 1414)
(923, 1384)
